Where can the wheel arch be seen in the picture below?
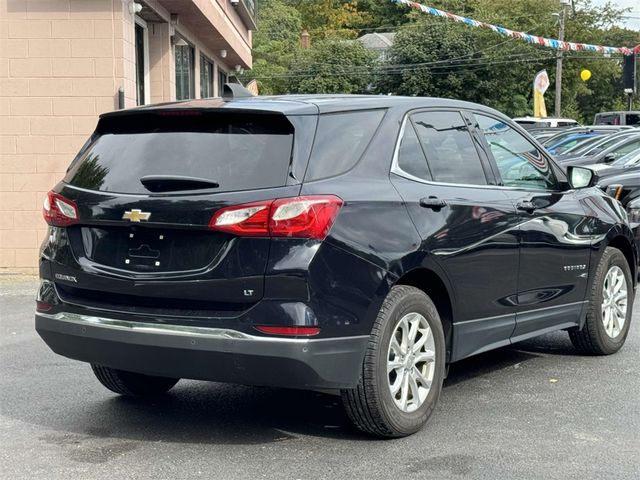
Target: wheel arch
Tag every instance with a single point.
(435, 287)
(622, 243)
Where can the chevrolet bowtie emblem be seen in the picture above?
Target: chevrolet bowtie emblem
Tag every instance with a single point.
(136, 215)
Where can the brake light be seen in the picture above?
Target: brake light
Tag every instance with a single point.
(289, 331)
(59, 211)
(310, 216)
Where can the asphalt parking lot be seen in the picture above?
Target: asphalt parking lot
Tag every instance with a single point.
(535, 410)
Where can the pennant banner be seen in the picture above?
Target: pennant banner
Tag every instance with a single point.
(534, 39)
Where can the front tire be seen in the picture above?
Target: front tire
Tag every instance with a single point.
(610, 306)
(132, 384)
(403, 367)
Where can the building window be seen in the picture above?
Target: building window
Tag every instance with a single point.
(142, 62)
(222, 79)
(185, 75)
(206, 77)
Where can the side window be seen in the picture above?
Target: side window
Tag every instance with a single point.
(519, 162)
(622, 150)
(451, 155)
(411, 158)
(340, 142)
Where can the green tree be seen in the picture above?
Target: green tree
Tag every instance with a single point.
(332, 66)
(434, 56)
(418, 61)
(332, 18)
(276, 43)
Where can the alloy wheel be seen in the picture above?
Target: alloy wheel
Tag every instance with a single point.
(411, 362)
(614, 303)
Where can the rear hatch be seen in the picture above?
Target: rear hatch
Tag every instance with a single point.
(146, 187)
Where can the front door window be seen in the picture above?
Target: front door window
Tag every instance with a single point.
(519, 162)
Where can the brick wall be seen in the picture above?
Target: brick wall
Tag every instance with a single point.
(61, 63)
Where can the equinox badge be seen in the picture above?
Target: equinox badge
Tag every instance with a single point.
(136, 215)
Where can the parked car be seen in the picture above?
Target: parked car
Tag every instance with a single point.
(541, 134)
(627, 163)
(559, 147)
(602, 129)
(617, 118)
(596, 144)
(549, 122)
(625, 187)
(628, 181)
(356, 244)
(622, 147)
(633, 210)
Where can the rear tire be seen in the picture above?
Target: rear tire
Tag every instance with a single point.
(132, 384)
(605, 331)
(415, 366)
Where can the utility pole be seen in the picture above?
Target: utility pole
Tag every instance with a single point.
(564, 4)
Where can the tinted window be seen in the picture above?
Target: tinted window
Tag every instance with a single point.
(447, 143)
(411, 158)
(239, 153)
(607, 119)
(340, 142)
(633, 119)
(520, 163)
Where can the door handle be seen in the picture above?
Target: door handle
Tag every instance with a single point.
(526, 206)
(434, 203)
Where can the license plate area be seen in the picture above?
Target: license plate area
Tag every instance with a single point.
(140, 249)
(145, 249)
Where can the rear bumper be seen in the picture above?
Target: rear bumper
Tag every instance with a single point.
(203, 353)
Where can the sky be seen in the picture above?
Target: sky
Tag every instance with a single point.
(632, 20)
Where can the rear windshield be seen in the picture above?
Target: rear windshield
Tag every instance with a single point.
(238, 152)
(607, 119)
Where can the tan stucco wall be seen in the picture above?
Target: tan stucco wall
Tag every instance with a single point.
(61, 64)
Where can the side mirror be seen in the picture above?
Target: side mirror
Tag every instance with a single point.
(610, 157)
(581, 177)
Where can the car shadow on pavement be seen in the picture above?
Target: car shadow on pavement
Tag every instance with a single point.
(489, 363)
(213, 413)
(556, 343)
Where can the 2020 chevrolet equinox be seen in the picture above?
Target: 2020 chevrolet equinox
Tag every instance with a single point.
(358, 244)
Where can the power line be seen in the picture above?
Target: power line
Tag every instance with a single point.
(461, 61)
(438, 70)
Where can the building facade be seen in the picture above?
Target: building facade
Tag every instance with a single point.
(63, 62)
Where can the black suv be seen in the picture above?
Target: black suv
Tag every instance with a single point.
(358, 244)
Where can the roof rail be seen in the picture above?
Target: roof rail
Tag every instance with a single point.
(232, 91)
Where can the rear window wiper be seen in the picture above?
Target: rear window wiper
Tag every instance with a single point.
(175, 183)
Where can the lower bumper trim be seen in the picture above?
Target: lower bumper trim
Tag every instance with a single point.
(204, 353)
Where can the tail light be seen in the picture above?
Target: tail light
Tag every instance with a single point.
(43, 306)
(310, 216)
(289, 331)
(59, 211)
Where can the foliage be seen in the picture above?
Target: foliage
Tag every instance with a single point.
(332, 66)
(275, 45)
(433, 56)
(331, 18)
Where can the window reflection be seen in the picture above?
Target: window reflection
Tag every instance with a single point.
(519, 162)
